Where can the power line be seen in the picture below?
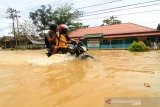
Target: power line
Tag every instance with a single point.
(123, 6)
(102, 28)
(121, 14)
(121, 9)
(99, 4)
(87, 6)
(47, 4)
(80, 7)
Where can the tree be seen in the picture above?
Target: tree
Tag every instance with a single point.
(62, 15)
(27, 28)
(41, 17)
(111, 21)
(66, 15)
(77, 25)
(158, 27)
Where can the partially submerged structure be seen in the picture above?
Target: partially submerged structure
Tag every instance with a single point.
(23, 41)
(118, 36)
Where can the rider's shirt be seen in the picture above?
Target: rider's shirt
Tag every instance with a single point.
(61, 42)
(51, 37)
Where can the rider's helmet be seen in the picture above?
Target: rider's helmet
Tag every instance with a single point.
(53, 26)
(63, 29)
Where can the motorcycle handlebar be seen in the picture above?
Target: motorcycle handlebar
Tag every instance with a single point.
(74, 43)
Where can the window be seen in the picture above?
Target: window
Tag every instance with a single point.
(148, 38)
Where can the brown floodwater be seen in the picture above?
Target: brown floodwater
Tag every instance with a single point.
(31, 79)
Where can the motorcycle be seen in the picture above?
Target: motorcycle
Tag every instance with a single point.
(76, 49)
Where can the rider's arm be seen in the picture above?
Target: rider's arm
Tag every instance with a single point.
(62, 40)
(50, 38)
(69, 40)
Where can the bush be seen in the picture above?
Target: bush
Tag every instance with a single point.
(138, 47)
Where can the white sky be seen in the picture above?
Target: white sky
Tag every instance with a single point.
(149, 19)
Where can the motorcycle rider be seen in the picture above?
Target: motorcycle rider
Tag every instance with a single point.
(50, 39)
(63, 39)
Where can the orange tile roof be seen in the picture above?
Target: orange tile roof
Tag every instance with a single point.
(134, 35)
(124, 28)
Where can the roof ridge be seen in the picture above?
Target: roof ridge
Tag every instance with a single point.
(113, 29)
(118, 24)
(142, 26)
(101, 26)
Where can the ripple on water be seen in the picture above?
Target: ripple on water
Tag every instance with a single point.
(34, 80)
(43, 60)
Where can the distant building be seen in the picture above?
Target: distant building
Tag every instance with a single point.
(7, 42)
(23, 41)
(119, 36)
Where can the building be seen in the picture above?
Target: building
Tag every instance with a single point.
(118, 36)
(28, 42)
(7, 42)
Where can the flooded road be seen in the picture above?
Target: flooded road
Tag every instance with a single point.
(31, 79)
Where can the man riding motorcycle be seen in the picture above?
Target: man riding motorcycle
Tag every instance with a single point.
(57, 38)
(50, 39)
(63, 39)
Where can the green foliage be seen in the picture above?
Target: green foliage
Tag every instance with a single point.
(138, 47)
(111, 21)
(62, 15)
(41, 17)
(65, 15)
(77, 25)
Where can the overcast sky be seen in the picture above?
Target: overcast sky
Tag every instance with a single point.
(148, 15)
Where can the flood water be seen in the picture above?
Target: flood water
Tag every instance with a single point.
(31, 79)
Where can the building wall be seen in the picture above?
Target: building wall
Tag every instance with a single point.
(7, 44)
(118, 43)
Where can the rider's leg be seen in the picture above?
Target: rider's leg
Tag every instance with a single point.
(54, 49)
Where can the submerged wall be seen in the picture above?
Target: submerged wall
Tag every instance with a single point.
(118, 43)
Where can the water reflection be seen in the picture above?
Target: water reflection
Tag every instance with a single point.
(62, 76)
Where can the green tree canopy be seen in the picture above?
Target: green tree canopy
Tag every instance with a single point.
(62, 15)
(41, 17)
(65, 15)
(77, 25)
(111, 21)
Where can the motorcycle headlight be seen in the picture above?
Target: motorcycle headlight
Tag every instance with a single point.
(84, 48)
(70, 47)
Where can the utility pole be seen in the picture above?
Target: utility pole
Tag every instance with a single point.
(13, 15)
(17, 16)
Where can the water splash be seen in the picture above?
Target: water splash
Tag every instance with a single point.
(32, 57)
(44, 60)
